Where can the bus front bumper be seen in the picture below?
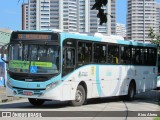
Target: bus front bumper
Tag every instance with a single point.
(39, 94)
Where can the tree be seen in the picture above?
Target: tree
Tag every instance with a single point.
(155, 38)
(20, 0)
(98, 6)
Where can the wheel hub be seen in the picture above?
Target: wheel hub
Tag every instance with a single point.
(78, 96)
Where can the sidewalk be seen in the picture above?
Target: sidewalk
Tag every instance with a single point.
(3, 97)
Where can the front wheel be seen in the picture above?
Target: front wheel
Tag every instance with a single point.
(80, 97)
(36, 102)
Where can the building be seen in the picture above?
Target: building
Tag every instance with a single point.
(141, 17)
(70, 16)
(24, 16)
(110, 26)
(121, 29)
(158, 18)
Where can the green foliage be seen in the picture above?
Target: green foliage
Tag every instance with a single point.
(151, 34)
(157, 118)
(155, 38)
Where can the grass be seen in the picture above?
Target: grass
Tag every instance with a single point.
(157, 118)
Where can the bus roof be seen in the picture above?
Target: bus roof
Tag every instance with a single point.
(109, 39)
(95, 37)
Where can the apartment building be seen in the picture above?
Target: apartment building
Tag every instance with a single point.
(70, 16)
(25, 16)
(158, 18)
(141, 16)
(121, 29)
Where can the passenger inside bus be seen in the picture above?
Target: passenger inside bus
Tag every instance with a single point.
(113, 54)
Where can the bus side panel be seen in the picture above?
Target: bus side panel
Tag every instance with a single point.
(85, 74)
(109, 80)
(101, 80)
(115, 79)
(110, 77)
(66, 92)
(145, 77)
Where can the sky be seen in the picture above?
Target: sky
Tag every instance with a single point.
(10, 16)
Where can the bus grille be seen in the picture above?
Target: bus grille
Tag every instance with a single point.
(29, 78)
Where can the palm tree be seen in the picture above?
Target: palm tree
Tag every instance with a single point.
(155, 38)
(151, 34)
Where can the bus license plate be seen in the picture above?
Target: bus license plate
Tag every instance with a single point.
(29, 93)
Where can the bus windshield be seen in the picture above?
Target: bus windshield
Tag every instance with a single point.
(34, 59)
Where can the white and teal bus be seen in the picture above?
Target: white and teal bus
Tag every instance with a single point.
(54, 65)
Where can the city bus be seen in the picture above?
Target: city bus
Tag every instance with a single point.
(56, 65)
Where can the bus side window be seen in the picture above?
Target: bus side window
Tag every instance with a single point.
(145, 56)
(88, 52)
(99, 53)
(84, 53)
(113, 54)
(135, 56)
(125, 55)
(151, 56)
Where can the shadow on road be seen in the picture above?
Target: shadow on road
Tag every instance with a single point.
(57, 104)
(152, 97)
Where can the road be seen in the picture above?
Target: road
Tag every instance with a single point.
(143, 102)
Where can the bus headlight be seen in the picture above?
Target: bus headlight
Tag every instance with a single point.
(52, 85)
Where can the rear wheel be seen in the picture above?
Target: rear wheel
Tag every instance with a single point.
(80, 97)
(36, 102)
(131, 92)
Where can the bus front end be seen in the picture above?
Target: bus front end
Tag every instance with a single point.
(34, 66)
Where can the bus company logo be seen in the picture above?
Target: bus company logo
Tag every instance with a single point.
(6, 114)
(21, 114)
(82, 74)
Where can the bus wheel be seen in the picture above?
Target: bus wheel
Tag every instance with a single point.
(36, 102)
(80, 97)
(131, 92)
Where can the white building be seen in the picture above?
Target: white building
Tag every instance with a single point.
(158, 17)
(121, 29)
(141, 17)
(24, 16)
(70, 16)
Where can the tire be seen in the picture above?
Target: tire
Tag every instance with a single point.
(36, 102)
(80, 97)
(131, 92)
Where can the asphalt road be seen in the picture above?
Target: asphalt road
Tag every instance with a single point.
(96, 109)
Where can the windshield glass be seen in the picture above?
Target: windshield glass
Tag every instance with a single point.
(35, 59)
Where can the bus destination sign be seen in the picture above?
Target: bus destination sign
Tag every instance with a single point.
(34, 36)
